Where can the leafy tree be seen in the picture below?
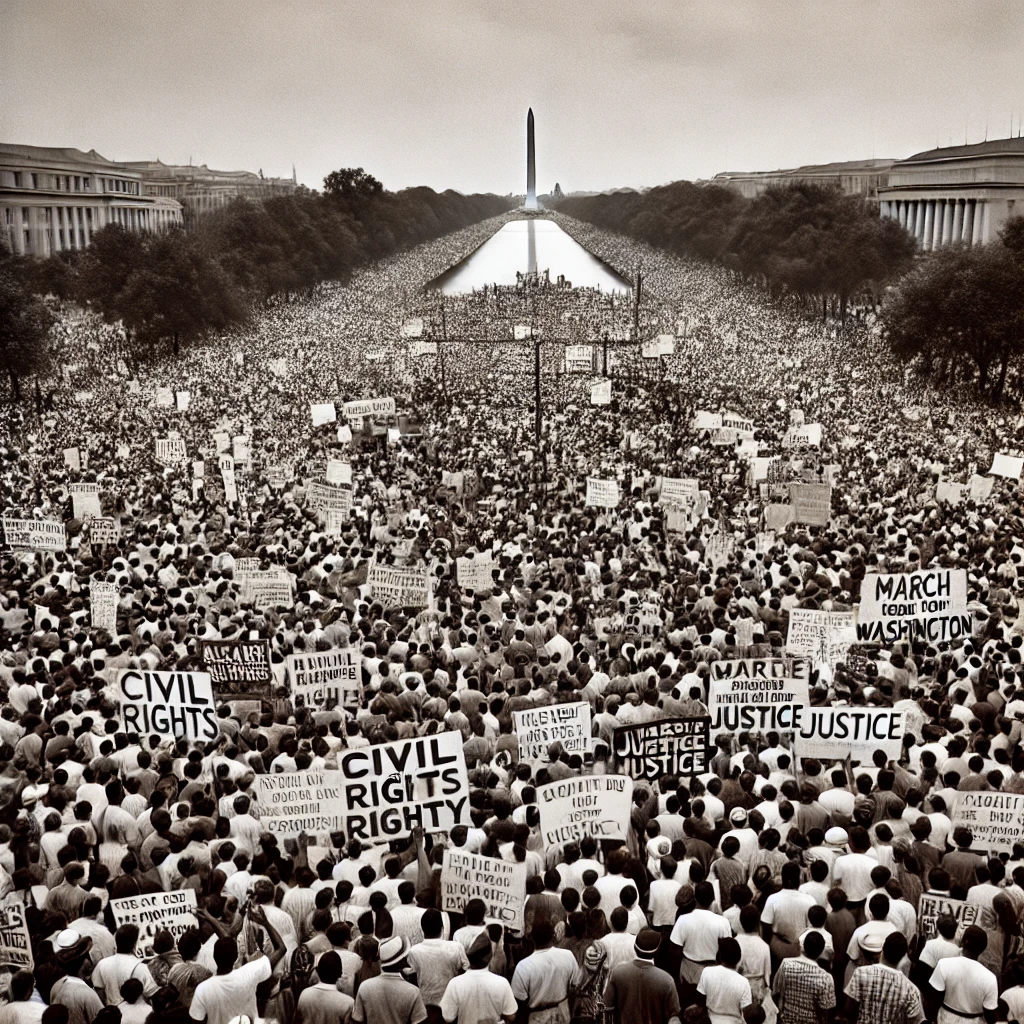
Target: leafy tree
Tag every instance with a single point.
(351, 182)
(25, 322)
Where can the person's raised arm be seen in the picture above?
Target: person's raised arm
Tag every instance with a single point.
(259, 916)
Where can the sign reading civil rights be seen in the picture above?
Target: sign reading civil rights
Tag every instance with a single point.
(398, 588)
(930, 605)
(294, 802)
(538, 728)
(760, 694)
(602, 493)
(322, 676)
(391, 788)
(371, 407)
(668, 746)
(238, 668)
(500, 884)
(833, 734)
(37, 534)
(591, 805)
(168, 704)
(996, 820)
(156, 912)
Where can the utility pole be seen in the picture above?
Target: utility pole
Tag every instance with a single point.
(605, 371)
(636, 303)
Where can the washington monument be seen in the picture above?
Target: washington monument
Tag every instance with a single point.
(531, 168)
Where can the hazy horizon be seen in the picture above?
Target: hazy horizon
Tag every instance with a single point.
(436, 93)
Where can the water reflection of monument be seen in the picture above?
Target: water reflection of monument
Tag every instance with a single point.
(531, 164)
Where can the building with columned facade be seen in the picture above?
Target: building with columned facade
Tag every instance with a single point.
(54, 199)
(959, 194)
(854, 177)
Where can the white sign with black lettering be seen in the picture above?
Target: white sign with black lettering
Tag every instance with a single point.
(591, 805)
(538, 728)
(602, 493)
(294, 802)
(323, 676)
(500, 884)
(168, 704)
(156, 912)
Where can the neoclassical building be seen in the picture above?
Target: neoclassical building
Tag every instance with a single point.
(960, 194)
(54, 199)
(855, 177)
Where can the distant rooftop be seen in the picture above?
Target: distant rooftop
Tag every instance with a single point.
(45, 154)
(1013, 146)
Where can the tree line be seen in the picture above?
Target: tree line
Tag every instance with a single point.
(173, 287)
(807, 241)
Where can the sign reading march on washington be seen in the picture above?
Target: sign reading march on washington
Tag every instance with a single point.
(294, 802)
(538, 728)
(591, 805)
(156, 912)
(930, 605)
(392, 788)
(238, 667)
(757, 693)
(834, 734)
(668, 746)
(996, 820)
(500, 884)
(168, 704)
(326, 676)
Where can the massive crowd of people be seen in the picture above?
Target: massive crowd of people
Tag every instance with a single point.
(764, 888)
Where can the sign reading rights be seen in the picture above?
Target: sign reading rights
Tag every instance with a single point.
(168, 704)
(669, 746)
(500, 884)
(238, 667)
(323, 676)
(391, 788)
(294, 802)
(38, 534)
(834, 734)
(592, 805)
(996, 820)
(538, 728)
(930, 605)
(156, 912)
(759, 694)
(372, 407)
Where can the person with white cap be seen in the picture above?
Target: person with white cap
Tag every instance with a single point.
(389, 998)
(638, 992)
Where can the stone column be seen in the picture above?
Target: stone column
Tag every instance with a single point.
(55, 245)
(986, 225)
(947, 221)
(958, 222)
(979, 217)
(968, 221)
(883, 210)
(916, 220)
(929, 214)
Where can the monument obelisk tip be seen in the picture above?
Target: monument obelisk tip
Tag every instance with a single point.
(531, 167)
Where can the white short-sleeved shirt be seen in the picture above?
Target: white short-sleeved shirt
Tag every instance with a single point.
(727, 992)
(965, 985)
(698, 933)
(477, 995)
(224, 996)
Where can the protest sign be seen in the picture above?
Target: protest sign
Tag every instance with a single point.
(371, 407)
(666, 344)
(996, 820)
(413, 327)
(183, 400)
(806, 435)
(102, 530)
(326, 678)
(811, 503)
(170, 451)
(168, 704)
(338, 472)
(521, 332)
(643, 622)
(476, 573)
(103, 598)
(86, 506)
(294, 802)
(668, 746)
(240, 451)
(836, 733)
(15, 946)
(601, 393)
(278, 476)
(760, 694)
(777, 517)
(227, 477)
(823, 636)
(706, 421)
(221, 441)
(931, 907)
(1009, 466)
(931, 604)
(500, 884)
(38, 534)
(682, 492)
(423, 348)
(952, 493)
(650, 349)
(602, 493)
(324, 497)
(156, 912)
(164, 398)
(398, 588)
(980, 487)
(579, 358)
(740, 425)
(72, 459)
(270, 588)
(238, 667)
(538, 728)
(323, 413)
(591, 805)
(392, 788)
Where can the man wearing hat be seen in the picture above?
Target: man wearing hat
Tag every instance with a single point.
(72, 952)
(879, 993)
(637, 992)
(478, 995)
(389, 998)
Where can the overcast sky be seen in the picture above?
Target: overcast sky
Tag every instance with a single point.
(435, 92)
